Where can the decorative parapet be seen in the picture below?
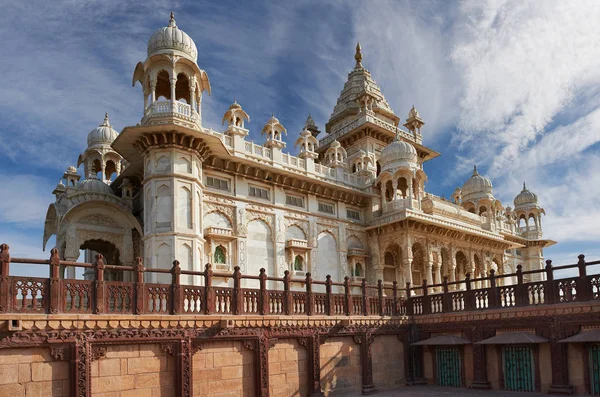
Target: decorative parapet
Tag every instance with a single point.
(171, 112)
(367, 116)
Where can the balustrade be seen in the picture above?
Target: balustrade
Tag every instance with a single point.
(52, 295)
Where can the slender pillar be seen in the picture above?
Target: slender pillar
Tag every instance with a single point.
(313, 345)
(366, 361)
(559, 360)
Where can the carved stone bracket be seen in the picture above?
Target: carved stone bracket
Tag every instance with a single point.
(60, 353)
(168, 348)
(98, 352)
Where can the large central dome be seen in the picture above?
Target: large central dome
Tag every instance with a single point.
(171, 38)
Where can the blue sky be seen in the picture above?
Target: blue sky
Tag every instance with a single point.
(512, 86)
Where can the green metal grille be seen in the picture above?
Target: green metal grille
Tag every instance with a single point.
(595, 370)
(518, 368)
(448, 366)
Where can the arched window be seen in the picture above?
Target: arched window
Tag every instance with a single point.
(298, 263)
(358, 270)
(378, 169)
(353, 168)
(220, 255)
(163, 85)
(182, 88)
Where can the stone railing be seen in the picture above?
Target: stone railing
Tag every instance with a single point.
(258, 151)
(170, 109)
(294, 242)
(221, 231)
(493, 292)
(56, 295)
(367, 116)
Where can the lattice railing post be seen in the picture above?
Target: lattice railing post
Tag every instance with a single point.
(380, 297)
(395, 308)
(310, 298)
(549, 291)
(287, 293)
(520, 296)
(446, 303)
(493, 297)
(328, 296)
(55, 283)
(5, 299)
(469, 295)
(209, 293)
(176, 301)
(409, 303)
(582, 282)
(365, 297)
(138, 286)
(426, 299)
(263, 303)
(99, 285)
(238, 294)
(347, 296)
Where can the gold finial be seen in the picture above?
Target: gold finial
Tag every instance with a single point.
(172, 23)
(105, 123)
(358, 56)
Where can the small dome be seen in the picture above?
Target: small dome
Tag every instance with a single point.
(476, 185)
(397, 153)
(104, 134)
(235, 105)
(93, 184)
(413, 113)
(170, 38)
(72, 170)
(335, 144)
(525, 197)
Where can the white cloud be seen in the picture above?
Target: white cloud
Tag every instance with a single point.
(522, 64)
(25, 200)
(406, 48)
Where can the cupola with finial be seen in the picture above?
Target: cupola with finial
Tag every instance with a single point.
(235, 117)
(414, 121)
(311, 126)
(172, 83)
(100, 157)
(308, 143)
(274, 132)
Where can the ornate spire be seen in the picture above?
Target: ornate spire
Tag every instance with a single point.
(105, 123)
(358, 57)
(524, 187)
(172, 23)
(475, 170)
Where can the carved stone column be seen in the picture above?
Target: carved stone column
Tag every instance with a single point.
(366, 362)
(80, 367)
(262, 365)
(479, 360)
(313, 345)
(559, 360)
(184, 367)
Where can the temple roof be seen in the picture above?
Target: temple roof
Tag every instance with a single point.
(360, 85)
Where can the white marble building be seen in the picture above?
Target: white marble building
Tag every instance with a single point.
(352, 203)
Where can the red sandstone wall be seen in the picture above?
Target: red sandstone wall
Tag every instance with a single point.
(31, 372)
(133, 370)
(340, 367)
(388, 362)
(288, 369)
(223, 369)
